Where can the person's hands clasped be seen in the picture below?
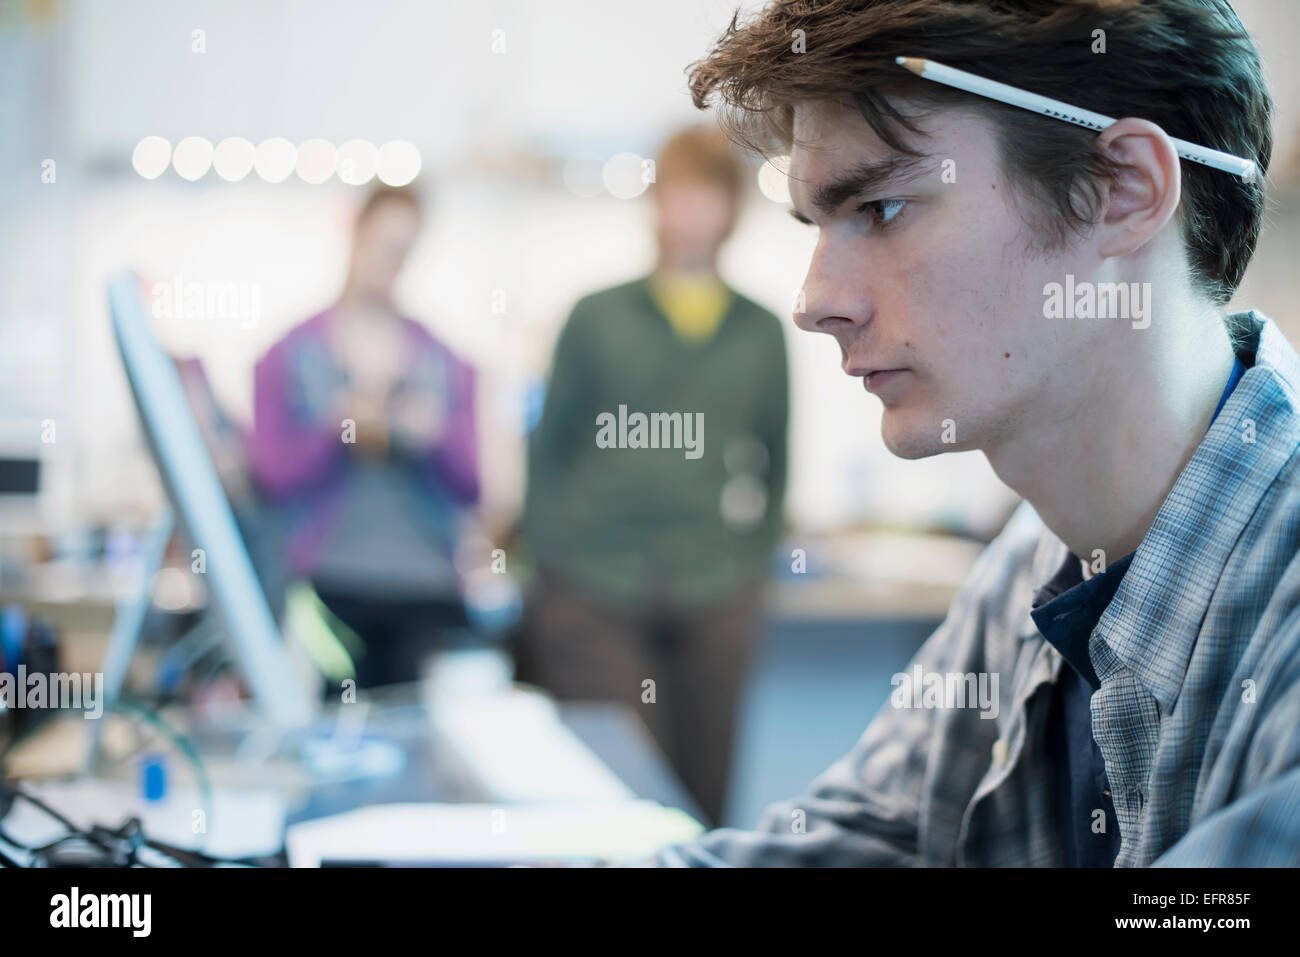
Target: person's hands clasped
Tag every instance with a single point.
(417, 419)
(369, 350)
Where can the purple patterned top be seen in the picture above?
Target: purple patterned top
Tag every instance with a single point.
(297, 453)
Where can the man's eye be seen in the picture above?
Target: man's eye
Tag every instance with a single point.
(882, 211)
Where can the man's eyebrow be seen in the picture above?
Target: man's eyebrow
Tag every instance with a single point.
(864, 178)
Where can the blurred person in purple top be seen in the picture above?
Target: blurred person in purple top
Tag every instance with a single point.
(364, 432)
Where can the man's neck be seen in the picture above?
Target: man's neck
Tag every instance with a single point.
(1098, 467)
(671, 264)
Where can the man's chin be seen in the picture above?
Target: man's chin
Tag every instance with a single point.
(909, 442)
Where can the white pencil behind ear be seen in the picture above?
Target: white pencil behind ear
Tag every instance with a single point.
(1014, 96)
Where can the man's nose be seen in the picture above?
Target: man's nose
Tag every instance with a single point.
(834, 296)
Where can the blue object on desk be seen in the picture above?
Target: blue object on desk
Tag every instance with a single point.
(13, 635)
(329, 759)
(153, 777)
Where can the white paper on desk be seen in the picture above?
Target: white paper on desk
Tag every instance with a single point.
(237, 824)
(517, 749)
(454, 833)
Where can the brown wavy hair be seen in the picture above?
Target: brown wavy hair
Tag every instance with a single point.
(1187, 65)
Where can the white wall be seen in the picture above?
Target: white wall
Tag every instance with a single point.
(577, 77)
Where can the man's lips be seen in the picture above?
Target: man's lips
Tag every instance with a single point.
(865, 372)
(874, 377)
(881, 378)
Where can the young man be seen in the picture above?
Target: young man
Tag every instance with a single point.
(1053, 296)
(652, 545)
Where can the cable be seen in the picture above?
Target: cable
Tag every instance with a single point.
(74, 833)
(124, 842)
(41, 805)
(11, 840)
(186, 746)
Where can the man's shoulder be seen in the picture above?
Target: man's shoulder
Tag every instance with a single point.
(616, 299)
(991, 607)
(611, 299)
(750, 307)
(763, 322)
(1252, 476)
(1266, 556)
(1023, 550)
(1271, 357)
(605, 313)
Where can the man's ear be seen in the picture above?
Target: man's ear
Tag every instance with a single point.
(1146, 188)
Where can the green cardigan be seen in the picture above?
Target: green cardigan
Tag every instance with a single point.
(632, 525)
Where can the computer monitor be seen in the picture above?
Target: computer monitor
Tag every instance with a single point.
(193, 487)
(24, 478)
(19, 476)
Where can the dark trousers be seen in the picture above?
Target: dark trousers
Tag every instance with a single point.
(398, 635)
(578, 648)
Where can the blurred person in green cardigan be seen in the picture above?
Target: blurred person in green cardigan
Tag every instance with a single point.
(656, 479)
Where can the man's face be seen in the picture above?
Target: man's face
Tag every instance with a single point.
(693, 217)
(933, 283)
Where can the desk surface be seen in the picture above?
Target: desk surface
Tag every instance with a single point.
(612, 732)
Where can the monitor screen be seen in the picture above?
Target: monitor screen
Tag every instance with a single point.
(200, 505)
(20, 476)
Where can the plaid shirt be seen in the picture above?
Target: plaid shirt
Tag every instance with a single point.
(1197, 716)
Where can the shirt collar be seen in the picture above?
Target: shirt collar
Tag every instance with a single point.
(645, 286)
(1151, 625)
(1066, 608)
